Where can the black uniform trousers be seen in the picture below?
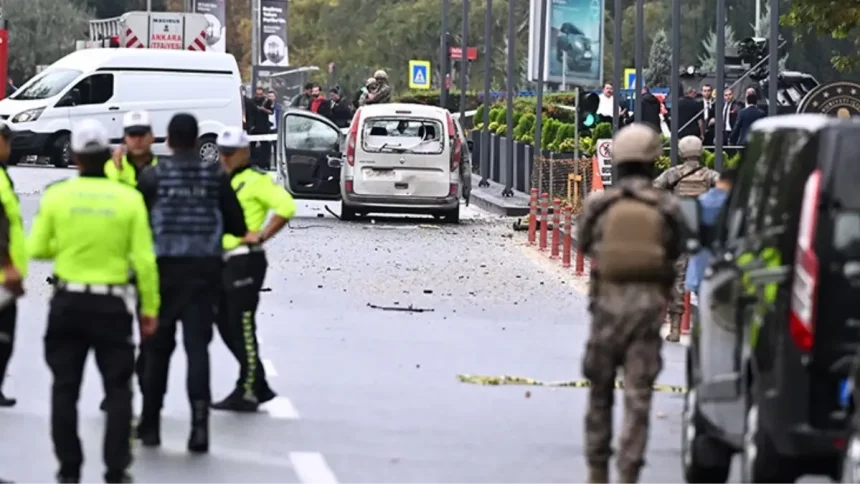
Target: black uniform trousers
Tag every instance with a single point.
(189, 289)
(77, 323)
(8, 316)
(243, 277)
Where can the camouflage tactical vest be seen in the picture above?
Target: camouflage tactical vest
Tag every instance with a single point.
(692, 184)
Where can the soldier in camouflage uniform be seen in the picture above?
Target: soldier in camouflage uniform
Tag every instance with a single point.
(383, 91)
(627, 298)
(370, 87)
(689, 179)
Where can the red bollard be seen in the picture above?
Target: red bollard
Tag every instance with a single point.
(533, 213)
(685, 318)
(544, 219)
(556, 228)
(580, 263)
(568, 238)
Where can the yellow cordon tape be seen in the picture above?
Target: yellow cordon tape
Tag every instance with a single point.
(518, 380)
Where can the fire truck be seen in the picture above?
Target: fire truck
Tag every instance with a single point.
(151, 30)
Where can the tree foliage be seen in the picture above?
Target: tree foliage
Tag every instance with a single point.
(40, 32)
(837, 20)
(707, 60)
(659, 69)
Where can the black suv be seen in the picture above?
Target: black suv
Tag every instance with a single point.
(779, 319)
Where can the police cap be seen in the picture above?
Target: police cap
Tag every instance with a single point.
(690, 147)
(137, 122)
(232, 139)
(636, 143)
(89, 137)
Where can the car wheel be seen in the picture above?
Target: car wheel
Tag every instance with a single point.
(851, 460)
(704, 458)
(452, 216)
(208, 149)
(61, 151)
(348, 214)
(759, 460)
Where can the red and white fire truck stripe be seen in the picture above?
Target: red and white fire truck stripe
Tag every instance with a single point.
(131, 40)
(199, 43)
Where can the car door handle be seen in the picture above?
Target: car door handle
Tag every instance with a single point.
(113, 108)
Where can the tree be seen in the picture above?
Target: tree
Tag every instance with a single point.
(40, 32)
(707, 60)
(826, 18)
(659, 68)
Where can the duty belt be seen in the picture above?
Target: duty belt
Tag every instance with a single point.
(243, 250)
(118, 290)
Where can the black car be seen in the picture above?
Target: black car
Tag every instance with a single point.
(779, 319)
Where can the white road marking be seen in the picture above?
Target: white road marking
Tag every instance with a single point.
(280, 408)
(270, 368)
(239, 456)
(312, 468)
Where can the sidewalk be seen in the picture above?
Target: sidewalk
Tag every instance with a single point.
(490, 199)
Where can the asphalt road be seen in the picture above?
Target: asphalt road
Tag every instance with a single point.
(367, 394)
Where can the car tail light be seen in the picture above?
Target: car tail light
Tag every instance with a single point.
(452, 190)
(352, 138)
(456, 144)
(804, 290)
(114, 41)
(347, 186)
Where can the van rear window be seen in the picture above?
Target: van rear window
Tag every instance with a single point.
(847, 173)
(846, 234)
(403, 135)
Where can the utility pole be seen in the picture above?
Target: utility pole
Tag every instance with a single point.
(639, 54)
(488, 66)
(464, 61)
(443, 58)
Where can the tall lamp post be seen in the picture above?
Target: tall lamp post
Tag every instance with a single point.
(464, 62)
(616, 61)
(443, 58)
(509, 85)
(540, 76)
(488, 65)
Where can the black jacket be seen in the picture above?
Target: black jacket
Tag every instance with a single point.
(651, 111)
(746, 118)
(341, 113)
(688, 109)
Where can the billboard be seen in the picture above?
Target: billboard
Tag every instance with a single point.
(574, 42)
(273, 34)
(215, 12)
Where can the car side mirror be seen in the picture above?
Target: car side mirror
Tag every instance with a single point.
(692, 224)
(471, 145)
(335, 162)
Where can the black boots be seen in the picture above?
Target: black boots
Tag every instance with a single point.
(7, 402)
(238, 402)
(118, 476)
(198, 441)
(149, 429)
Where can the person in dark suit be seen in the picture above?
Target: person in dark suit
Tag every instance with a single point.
(746, 117)
(731, 108)
(689, 111)
(708, 120)
(650, 109)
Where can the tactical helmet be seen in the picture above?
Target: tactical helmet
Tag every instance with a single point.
(636, 143)
(370, 81)
(690, 147)
(380, 75)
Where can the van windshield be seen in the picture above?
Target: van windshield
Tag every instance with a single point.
(847, 173)
(49, 84)
(398, 135)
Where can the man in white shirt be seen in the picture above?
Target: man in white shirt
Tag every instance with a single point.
(607, 102)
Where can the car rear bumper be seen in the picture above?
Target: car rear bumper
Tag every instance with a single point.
(27, 142)
(401, 204)
(805, 441)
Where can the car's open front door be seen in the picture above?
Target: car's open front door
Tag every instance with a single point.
(309, 152)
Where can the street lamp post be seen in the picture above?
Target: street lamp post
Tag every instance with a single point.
(488, 65)
(773, 61)
(639, 53)
(675, 88)
(719, 123)
(540, 77)
(464, 62)
(443, 58)
(509, 85)
(616, 61)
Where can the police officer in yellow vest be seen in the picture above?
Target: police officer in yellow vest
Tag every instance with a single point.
(245, 268)
(13, 259)
(95, 231)
(125, 167)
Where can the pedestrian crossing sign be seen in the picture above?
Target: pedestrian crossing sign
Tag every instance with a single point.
(630, 78)
(419, 74)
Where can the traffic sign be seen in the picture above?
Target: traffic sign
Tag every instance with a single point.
(419, 74)
(456, 53)
(629, 78)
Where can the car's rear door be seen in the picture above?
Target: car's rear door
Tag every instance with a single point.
(401, 155)
(306, 144)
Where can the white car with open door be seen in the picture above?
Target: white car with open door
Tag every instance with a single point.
(309, 154)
